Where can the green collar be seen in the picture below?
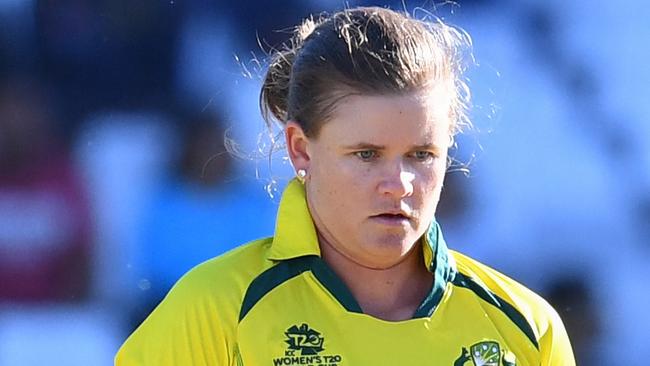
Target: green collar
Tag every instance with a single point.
(295, 246)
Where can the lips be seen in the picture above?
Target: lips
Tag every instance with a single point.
(396, 213)
(394, 218)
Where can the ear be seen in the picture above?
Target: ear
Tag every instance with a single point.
(297, 145)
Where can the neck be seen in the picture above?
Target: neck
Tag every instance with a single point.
(391, 294)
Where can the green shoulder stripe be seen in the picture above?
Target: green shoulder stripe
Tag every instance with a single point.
(290, 268)
(513, 314)
(270, 279)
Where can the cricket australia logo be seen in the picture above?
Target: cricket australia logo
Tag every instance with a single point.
(485, 353)
(305, 347)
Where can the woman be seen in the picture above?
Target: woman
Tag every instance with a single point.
(357, 272)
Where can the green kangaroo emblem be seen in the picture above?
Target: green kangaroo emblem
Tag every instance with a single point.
(486, 353)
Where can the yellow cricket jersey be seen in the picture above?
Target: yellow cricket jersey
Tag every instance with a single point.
(275, 302)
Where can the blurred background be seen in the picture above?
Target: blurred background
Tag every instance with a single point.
(114, 179)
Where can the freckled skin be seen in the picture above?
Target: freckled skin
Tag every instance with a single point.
(377, 154)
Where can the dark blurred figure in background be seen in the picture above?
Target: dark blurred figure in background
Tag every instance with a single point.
(197, 212)
(44, 217)
(574, 302)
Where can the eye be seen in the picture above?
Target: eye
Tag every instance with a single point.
(366, 155)
(422, 155)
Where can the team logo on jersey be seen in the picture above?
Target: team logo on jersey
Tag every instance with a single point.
(485, 353)
(305, 347)
(307, 341)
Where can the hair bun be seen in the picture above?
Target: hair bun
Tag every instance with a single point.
(275, 90)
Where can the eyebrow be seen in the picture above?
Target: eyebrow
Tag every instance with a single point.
(364, 146)
(369, 146)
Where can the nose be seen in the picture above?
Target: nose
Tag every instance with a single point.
(397, 183)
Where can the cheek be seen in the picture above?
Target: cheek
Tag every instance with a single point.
(431, 183)
(333, 180)
(334, 172)
(344, 196)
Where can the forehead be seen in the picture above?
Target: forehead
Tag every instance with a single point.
(419, 117)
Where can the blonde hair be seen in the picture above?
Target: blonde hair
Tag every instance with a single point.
(365, 50)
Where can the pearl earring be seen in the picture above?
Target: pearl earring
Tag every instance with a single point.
(302, 174)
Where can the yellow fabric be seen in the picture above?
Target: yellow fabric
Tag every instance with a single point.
(295, 234)
(299, 319)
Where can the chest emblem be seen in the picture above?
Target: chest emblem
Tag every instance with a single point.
(305, 348)
(304, 339)
(485, 353)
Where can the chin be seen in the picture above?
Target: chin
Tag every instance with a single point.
(392, 246)
(384, 262)
(402, 238)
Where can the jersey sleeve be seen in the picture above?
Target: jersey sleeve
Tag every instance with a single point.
(187, 328)
(555, 348)
(553, 342)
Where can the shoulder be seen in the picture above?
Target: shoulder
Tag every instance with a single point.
(532, 314)
(200, 313)
(221, 282)
(227, 274)
(532, 306)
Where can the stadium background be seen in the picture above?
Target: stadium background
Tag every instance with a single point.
(109, 111)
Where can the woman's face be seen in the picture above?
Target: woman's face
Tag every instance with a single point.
(375, 174)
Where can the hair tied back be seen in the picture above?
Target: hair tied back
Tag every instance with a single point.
(275, 90)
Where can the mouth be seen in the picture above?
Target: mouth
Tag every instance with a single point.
(391, 219)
